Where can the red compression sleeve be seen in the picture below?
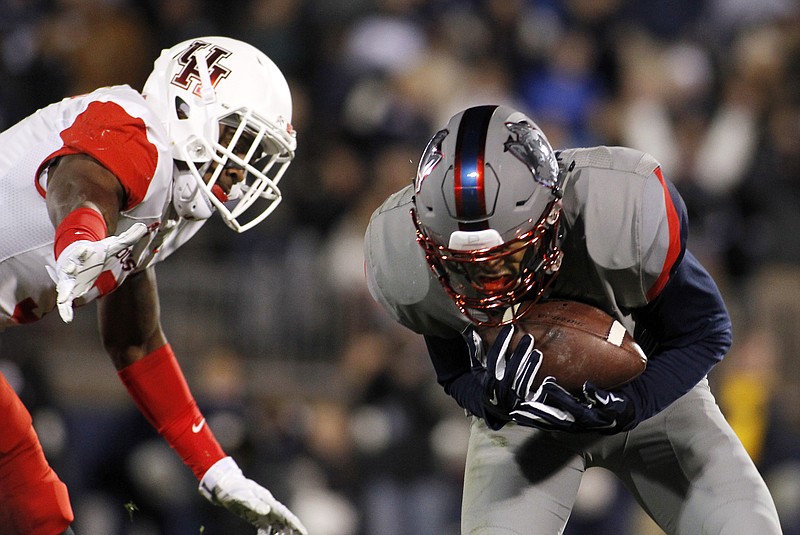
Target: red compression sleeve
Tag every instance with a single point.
(157, 385)
(80, 224)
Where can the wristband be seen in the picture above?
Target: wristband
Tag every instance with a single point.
(80, 224)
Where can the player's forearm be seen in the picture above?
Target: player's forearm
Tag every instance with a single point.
(450, 359)
(129, 319)
(158, 387)
(671, 374)
(685, 332)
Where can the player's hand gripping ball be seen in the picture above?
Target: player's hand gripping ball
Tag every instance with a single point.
(505, 373)
(578, 343)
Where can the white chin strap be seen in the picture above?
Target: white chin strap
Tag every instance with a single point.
(236, 191)
(188, 199)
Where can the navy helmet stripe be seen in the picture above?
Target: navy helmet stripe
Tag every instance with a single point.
(469, 181)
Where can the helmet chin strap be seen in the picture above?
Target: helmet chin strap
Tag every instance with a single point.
(236, 191)
(188, 199)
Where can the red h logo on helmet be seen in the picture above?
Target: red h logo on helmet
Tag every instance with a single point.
(190, 74)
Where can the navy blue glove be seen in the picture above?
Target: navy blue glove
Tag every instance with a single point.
(506, 379)
(553, 408)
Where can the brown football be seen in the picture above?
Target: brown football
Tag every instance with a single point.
(579, 343)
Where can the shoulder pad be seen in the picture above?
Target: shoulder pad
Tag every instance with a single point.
(398, 276)
(622, 159)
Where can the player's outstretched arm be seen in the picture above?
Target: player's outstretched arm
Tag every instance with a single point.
(83, 201)
(131, 331)
(79, 181)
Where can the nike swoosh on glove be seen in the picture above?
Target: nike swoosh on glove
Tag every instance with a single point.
(224, 484)
(554, 409)
(81, 262)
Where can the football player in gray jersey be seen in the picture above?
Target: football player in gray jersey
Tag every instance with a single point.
(495, 221)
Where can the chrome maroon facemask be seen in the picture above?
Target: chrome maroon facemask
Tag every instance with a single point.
(494, 301)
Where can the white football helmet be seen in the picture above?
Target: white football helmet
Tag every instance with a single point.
(225, 105)
(487, 208)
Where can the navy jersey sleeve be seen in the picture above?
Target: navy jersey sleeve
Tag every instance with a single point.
(685, 329)
(451, 361)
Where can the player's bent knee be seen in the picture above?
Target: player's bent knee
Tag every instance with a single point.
(737, 517)
(15, 417)
(33, 500)
(41, 509)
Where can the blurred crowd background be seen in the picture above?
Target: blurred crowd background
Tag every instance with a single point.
(318, 394)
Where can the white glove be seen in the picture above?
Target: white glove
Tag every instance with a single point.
(81, 262)
(223, 484)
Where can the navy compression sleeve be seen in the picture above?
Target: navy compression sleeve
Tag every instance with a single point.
(685, 332)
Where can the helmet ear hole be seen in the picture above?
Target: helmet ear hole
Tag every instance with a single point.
(181, 108)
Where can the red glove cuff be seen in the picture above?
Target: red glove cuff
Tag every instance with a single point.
(157, 385)
(80, 224)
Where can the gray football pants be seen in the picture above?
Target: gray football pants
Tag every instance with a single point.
(684, 466)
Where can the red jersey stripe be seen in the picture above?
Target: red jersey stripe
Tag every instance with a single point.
(674, 248)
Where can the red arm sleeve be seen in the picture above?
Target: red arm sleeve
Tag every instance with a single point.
(158, 387)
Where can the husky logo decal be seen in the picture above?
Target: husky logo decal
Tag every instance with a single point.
(430, 158)
(530, 147)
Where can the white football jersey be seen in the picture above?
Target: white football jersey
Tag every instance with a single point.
(115, 126)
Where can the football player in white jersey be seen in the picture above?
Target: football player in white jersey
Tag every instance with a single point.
(94, 191)
(495, 221)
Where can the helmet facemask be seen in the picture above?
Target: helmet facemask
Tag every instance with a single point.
(487, 212)
(227, 110)
(252, 146)
(497, 285)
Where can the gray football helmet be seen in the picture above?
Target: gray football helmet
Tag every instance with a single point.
(487, 208)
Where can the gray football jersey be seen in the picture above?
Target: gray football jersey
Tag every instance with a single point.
(622, 237)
